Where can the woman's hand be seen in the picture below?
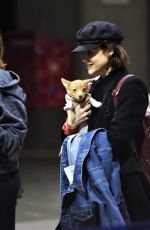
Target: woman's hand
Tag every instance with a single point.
(79, 114)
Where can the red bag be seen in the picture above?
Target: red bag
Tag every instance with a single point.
(142, 154)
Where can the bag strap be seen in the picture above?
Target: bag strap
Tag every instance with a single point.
(118, 87)
(115, 93)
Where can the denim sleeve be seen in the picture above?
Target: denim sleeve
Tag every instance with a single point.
(13, 124)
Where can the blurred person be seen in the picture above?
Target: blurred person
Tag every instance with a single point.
(148, 108)
(99, 44)
(13, 129)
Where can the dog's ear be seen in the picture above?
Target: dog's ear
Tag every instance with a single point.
(88, 82)
(65, 83)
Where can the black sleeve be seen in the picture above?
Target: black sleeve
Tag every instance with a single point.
(132, 102)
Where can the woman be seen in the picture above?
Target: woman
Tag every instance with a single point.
(99, 44)
(13, 129)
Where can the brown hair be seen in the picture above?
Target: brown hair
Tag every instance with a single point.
(2, 64)
(119, 58)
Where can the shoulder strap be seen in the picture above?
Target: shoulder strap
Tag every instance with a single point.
(114, 94)
(118, 87)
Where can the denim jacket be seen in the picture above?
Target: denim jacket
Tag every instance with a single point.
(94, 198)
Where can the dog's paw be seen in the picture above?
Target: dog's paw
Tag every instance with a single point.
(95, 103)
(66, 108)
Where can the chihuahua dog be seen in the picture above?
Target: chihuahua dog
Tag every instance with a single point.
(77, 91)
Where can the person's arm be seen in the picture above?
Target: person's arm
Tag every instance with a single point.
(132, 102)
(75, 117)
(13, 124)
(68, 130)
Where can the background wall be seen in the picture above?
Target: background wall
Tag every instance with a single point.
(56, 18)
(132, 16)
(61, 19)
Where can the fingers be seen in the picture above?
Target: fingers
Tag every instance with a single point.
(80, 113)
(87, 100)
(86, 108)
(83, 110)
(84, 113)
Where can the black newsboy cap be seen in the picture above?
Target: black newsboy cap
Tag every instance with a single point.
(96, 33)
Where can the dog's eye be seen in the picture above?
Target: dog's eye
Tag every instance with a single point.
(84, 89)
(74, 90)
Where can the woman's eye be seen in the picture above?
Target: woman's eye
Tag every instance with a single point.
(89, 53)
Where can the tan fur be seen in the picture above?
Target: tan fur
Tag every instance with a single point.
(77, 89)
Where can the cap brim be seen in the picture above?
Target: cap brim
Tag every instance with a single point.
(85, 48)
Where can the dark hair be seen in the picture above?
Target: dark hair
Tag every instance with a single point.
(119, 58)
(2, 64)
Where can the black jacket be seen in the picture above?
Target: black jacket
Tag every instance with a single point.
(123, 122)
(13, 121)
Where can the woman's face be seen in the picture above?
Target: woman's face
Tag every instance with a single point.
(96, 61)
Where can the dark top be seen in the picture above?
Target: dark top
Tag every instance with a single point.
(13, 121)
(126, 123)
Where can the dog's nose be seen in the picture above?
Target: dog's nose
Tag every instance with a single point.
(80, 97)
